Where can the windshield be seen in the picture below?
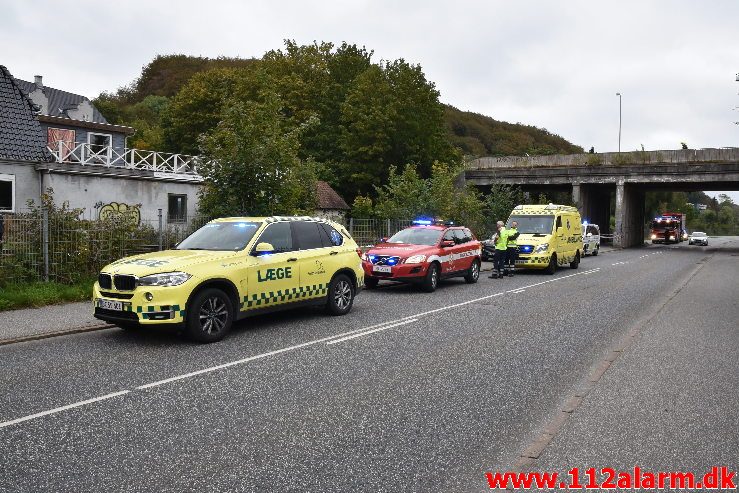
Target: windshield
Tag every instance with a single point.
(697, 235)
(416, 236)
(536, 225)
(232, 236)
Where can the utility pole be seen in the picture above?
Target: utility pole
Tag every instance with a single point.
(619, 121)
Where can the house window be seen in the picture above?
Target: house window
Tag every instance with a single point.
(7, 193)
(100, 148)
(177, 208)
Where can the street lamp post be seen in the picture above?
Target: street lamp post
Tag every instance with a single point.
(619, 121)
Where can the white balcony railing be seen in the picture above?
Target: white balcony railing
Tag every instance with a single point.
(97, 155)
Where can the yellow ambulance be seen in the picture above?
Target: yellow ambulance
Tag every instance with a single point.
(232, 268)
(549, 236)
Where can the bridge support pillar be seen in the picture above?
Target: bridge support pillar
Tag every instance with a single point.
(629, 216)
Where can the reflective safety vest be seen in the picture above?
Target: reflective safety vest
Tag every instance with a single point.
(512, 235)
(501, 242)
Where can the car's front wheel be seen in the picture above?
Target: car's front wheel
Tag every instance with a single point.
(431, 281)
(595, 252)
(209, 316)
(340, 295)
(552, 267)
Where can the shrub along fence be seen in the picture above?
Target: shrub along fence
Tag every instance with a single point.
(65, 246)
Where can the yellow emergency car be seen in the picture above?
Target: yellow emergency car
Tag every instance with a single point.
(232, 268)
(550, 236)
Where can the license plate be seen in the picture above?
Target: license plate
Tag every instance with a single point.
(382, 268)
(110, 305)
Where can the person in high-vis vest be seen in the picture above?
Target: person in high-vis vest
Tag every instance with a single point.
(512, 250)
(500, 240)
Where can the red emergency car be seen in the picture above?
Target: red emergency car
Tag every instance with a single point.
(424, 254)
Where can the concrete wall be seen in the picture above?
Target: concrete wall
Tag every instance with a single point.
(96, 193)
(95, 190)
(26, 181)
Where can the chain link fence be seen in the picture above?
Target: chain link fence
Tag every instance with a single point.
(66, 246)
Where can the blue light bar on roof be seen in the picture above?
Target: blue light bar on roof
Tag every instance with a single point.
(423, 222)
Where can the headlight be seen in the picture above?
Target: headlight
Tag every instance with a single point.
(416, 259)
(654, 237)
(165, 279)
(672, 237)
(541, 248)
(364, 256)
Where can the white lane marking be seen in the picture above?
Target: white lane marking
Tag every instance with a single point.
(516, 291)
(63, 408)
(335, 341)
(399, 321)
(337, 336)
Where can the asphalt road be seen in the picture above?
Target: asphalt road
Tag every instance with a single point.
(431, 392)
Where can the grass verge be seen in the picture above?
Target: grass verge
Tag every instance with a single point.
(14, 296)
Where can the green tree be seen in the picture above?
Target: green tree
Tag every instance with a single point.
(407, 195)
(200, 105)
(499, 203)
(253, 165)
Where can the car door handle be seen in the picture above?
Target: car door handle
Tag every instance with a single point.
(334, 253)
(293, 259)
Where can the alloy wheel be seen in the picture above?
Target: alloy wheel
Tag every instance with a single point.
(342, 294)
(213, 315)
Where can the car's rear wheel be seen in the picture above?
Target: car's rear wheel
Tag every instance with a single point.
(575, 263)
(431, 281)
(340, 295)
(209, 316)
(552, 267)
(371, 282)
(474, 273)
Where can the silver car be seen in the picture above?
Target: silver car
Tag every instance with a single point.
(698, 238)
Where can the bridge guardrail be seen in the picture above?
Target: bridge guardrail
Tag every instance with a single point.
(679, 156)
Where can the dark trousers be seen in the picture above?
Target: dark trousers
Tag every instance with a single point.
(511, 256)
(499, 260)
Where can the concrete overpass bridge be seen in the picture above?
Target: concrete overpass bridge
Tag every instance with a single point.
(594, 178)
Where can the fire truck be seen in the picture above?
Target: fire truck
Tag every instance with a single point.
(669, 228)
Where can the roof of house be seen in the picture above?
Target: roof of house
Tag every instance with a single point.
(61, 101)
(327, 198)
(21, 135)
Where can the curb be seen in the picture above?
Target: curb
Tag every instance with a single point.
(58, 333)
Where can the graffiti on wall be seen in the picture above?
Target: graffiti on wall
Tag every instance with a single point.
(113, 210)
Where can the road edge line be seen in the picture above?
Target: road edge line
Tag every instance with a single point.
(57, 333)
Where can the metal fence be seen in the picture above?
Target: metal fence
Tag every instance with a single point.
(63, 246)
(366, 232)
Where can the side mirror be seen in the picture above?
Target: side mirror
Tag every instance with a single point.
(447, 243)
(263, 249)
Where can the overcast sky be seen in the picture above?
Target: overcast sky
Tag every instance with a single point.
(556, 65)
